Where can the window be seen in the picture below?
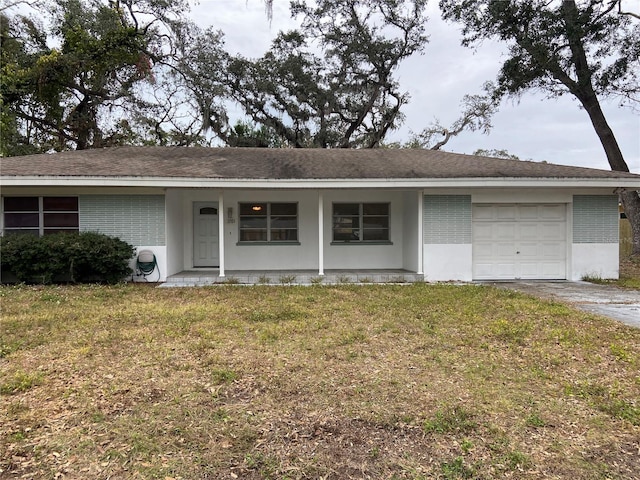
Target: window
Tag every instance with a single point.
(269, 222)
(361, 222)
(208, 211)
(40, 215)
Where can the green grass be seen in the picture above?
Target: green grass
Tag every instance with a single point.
(346, 381)
(19, 382)
(449, 420)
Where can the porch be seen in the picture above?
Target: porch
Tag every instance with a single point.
(199, 278)
(292, 239)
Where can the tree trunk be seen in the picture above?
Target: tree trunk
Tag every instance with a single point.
(631, 204)
(630, 199)
(603, 130)
(583, 90)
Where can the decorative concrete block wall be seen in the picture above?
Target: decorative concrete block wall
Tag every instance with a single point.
(596, 227)
(447, 237)
(136, 219)
(447, 219)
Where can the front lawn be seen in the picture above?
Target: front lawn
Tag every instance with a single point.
(270, 382)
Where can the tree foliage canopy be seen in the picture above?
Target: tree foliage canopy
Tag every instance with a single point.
(330, 83)
(102, 73)
(74, 82)
(558, 47)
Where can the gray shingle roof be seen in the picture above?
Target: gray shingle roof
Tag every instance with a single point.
(255, 163)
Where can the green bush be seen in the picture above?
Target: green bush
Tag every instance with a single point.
(66, 257)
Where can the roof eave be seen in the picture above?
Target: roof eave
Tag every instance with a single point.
(179, 182)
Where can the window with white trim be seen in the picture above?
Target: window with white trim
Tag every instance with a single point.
(268, 222)
(361, 222)
(40, 215)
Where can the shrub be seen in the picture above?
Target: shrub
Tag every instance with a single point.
(70, 257)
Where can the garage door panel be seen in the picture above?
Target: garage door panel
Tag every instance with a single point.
(528, 250)
(503, 250)
(504, 231)
(505, 270)
(499, 251)
(484, 269)
(552, 270)
(538, 270)
(495, 270)
(527, 230)
(553, 251)
(529, 270)
(528, 212)
(484, 250)
(553, 212)
(484, 232)
(519, 241)
(506, 212)
(553, 231)
(483, 212)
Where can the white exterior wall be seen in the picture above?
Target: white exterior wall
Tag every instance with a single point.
(95, 208)
(286, 257)
(595, 233)
(599, 260)
(592, 232)
(440, 261)
(412, 241)
(597, 256)
(447, 237)
(451, 261)
(175, 223)
(136, 219)
(273, 257)
(180, 220)
(243, 256)
(360, 256)
(448, 262)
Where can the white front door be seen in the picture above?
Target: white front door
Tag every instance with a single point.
(205, 234)
(519, 241)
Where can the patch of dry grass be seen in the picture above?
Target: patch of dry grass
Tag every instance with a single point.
(396, 382)
(629, 275)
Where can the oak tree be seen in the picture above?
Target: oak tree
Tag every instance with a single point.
(331, 82)
(74, 82)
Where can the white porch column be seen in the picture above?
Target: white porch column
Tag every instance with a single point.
(320, 233)
(221, 231)
(420, 232)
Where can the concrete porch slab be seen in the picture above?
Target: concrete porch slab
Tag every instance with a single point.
(194, 278)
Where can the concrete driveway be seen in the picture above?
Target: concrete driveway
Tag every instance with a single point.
(606, 300)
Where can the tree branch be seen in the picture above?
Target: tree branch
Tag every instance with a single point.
(620, 12)
(18, 2)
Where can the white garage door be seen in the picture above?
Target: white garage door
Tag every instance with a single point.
(519, 241)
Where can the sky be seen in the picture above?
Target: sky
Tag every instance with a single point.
(533, 127)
